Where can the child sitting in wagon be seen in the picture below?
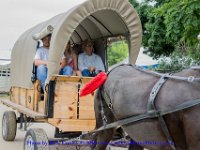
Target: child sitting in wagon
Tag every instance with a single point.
(69, 62)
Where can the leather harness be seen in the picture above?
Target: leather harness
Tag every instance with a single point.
(151, 108)
(152, 111)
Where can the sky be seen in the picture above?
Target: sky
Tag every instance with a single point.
(17, 16)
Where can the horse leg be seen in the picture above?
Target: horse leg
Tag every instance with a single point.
(102, 138)
(191, 120)
(134, 146)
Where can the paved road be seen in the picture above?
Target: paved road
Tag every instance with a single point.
(17, 144)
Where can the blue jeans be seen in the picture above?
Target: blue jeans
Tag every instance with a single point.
(67, 70)
(42, 74)
(87, 73)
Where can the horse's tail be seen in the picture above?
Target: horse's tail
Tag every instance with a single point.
(94, 84)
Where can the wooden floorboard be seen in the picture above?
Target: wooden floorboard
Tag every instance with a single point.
(23, 109)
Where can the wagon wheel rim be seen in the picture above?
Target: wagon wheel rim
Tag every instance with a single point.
(4, 128)
(29, 143)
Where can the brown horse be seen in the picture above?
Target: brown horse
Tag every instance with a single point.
(128, 90)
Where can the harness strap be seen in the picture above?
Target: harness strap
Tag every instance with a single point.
(154, 92)
(152, 108)
(152, 111)
(151, 115)
(166, 132)
(186, 79)
(104, 119)
(105, 95)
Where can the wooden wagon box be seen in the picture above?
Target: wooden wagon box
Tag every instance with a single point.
(27, 101)
(70, 112)
(62, 107)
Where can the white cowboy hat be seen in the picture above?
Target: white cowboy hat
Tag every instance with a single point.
(46, 31)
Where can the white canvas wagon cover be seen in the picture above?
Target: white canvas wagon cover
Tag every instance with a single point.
(92, 19)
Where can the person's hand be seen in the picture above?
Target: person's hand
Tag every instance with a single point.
(63, 63)
(92, 69)
(46, 62)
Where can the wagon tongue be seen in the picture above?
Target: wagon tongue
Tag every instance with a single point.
(95, 83)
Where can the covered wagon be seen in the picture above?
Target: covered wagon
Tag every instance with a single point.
(60, 104)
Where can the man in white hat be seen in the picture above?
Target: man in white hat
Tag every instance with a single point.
(41, 59)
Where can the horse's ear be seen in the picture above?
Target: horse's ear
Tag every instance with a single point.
(95, 83)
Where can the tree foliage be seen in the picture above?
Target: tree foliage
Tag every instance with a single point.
(169, 25)
(117, 52)
(182, 20)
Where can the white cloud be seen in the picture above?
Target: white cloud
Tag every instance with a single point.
(19, 15)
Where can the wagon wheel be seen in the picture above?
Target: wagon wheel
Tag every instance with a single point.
(9, 126)
(36, 139)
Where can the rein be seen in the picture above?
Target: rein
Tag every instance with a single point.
(152, 111)
(151, 107)
(147, 115)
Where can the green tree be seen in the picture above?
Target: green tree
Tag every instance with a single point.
(134, 3)
(154, 38)
(117, 52)
(182, 20)
(169, 25)
(143, 9)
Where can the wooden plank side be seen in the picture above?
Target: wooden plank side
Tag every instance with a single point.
(15, 95)
(22, 97)
(85, 80)
(70, 78)
(41, 108)
(65, 100)
(66, 97)
(37, 94)
(73, 124)
(86, 107)
(45, 102)
(30, 99)
(23, 109)
(12, 98)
